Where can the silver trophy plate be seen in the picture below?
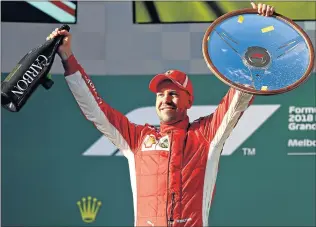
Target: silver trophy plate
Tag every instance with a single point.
(257, 54)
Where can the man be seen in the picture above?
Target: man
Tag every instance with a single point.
(173, 168)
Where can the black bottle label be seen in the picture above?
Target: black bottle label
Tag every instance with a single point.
(30, 76)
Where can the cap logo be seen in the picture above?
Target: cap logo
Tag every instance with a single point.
(168, 72)
(185, 83)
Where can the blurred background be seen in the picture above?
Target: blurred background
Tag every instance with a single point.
(51, 157)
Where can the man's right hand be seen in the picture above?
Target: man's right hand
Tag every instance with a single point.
(64, 50)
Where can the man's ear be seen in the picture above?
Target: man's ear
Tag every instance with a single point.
(189, 103)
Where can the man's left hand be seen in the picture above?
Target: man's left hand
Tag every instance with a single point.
(263, 9)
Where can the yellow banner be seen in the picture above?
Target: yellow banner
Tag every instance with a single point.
(202, 11)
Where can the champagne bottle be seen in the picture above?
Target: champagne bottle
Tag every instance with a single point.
(30, 72)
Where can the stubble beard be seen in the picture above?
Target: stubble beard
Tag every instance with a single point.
(170, 118)
(165, 118)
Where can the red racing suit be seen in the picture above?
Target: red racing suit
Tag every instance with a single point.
(173, 168)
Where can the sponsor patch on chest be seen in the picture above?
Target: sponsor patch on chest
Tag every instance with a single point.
(152, 143)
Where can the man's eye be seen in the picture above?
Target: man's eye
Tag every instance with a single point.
(174, 94)
(159, 94)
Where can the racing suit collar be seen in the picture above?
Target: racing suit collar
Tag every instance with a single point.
(180, 125)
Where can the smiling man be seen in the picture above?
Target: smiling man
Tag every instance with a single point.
(173, 168)
(173, 98)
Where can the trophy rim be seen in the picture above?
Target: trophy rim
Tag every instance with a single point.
(230, 83)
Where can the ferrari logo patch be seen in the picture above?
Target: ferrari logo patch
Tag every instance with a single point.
(151, 143)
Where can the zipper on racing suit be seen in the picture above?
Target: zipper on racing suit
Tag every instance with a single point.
(169, 222)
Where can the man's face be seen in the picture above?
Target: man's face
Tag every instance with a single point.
(171, 102)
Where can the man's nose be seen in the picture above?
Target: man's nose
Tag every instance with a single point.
(167, 98)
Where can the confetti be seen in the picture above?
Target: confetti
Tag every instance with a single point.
(267, 29)
(264, 88)
(240, 19)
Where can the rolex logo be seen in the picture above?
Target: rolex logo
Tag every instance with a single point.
(89, 208)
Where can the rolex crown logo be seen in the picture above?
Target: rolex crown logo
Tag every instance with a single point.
(89, 208)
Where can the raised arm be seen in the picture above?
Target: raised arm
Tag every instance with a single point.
(217, 126)
(113, 124)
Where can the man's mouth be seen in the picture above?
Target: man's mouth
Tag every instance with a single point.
(167, 108)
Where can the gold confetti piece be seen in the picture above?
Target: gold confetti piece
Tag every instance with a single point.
(240, 19)
(264, 88)
(208, 38)
(267, 29)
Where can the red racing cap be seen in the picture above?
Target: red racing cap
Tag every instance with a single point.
(177, 77)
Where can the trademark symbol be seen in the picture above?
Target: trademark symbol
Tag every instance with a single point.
(249, 151)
